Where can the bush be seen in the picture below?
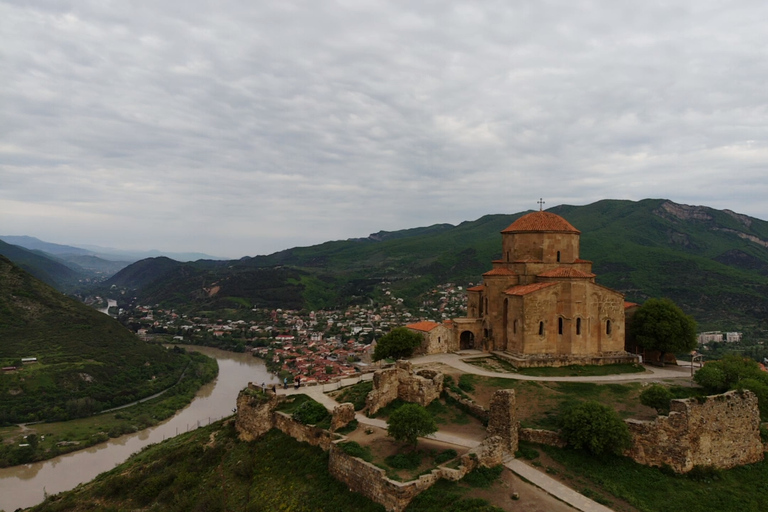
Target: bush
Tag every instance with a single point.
(409, 422)
(445, 456)
(658, 397)
(596, 428)
(404, 460)
(465, 383)
(482, 476)
(311, 413)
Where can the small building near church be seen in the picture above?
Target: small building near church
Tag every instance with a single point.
(438, 338)
(539, 305)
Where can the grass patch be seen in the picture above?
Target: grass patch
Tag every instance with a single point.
(354, 449)
(583, 370)
(409, 461)
(355, 394)
(652, 489)
(447, 496)
(483, 477)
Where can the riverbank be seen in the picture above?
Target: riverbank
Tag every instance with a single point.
(26, 485)
(24, 444)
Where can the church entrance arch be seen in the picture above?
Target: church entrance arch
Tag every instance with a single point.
(467, 340)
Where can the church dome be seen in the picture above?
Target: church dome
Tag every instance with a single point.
(541, 221)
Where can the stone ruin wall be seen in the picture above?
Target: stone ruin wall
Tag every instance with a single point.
(254, 414)
(469, 406)
(400, 382)
(502, 419)
(723, 431)
(343, 414)
(546, 437)
(370, 481)
(306, 433)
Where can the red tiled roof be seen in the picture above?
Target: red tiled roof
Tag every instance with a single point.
(541, 221)
(565, 272)
(525, 289)
(628, 305)
(500, 272)
(478, 288)
(579, 260)
(424, 326)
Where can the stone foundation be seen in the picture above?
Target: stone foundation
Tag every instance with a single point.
(254, 413)
(554, 360)
(722, 431)
(400, 382)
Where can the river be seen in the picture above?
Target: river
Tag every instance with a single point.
(26, 485)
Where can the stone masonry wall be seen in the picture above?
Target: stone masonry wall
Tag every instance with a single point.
(343, 414)
(401, 382)
(469, 406)
(307, 433)
(254, 413)
(502, 419)
(723, 431)
(547, 437)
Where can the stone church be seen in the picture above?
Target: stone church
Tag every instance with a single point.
(539, 305)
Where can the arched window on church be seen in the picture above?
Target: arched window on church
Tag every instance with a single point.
(507, 255)
(541, 328)
(578, 326)
(558, 256)
(608, 327)
(560, 325)
(514, 327)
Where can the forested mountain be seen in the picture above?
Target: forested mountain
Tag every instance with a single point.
(713, 263)
(43, 267)
(86, 360)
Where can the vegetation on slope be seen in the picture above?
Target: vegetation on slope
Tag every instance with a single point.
(86, 361)
(713, 264)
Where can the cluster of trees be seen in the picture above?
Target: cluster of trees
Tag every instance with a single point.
(735, 372)
(400, 342)
(659, 324)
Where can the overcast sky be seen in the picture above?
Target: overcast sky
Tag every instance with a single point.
(245, 127)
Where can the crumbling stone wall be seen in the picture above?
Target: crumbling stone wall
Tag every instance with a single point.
(722, 431)
(307, 433)
(372, 482)
(547, 437)
(400, 382)
(254, 413)
(343, 414)
(502, 419)
(469, 406)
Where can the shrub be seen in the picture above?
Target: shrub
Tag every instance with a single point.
(658, 397)
(596, 428)
(445, 456)
(404, 460)
(482, 476)
(465, 383)
(409, 422)
(397, 344)
(311, 413)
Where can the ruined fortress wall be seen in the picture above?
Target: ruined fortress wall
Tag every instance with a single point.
(254, 414)
(343, 414)
(370, 481)
(400, 382)
(723, 431)
(469, 406)
(306, 433)
(546, 437)
(502, 419)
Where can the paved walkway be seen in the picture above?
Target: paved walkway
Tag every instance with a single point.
(535, 477)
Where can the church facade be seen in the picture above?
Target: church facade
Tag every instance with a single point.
(539, 305)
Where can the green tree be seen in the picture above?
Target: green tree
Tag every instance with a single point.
(658, 397)
(410, 421)
(661, 325)
(596, 428)
(400, 342)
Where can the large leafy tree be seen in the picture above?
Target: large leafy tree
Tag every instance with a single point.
(596, 428)
(661, 325)
(409, 422)
(398, 343)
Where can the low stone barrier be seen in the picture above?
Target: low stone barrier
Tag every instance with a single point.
(538, 436)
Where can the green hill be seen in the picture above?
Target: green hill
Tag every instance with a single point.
(713, 263)
(43, 267)
(86, 361)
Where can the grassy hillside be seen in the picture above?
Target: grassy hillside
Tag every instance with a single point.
(87, 361)
(713, 263)
(46, 269)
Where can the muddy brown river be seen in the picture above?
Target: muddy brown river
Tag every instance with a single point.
(26, 485)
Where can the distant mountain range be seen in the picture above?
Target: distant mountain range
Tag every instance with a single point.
(67, 267)
(714, 263)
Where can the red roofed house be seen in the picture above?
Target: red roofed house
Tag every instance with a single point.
(539, 305)
(438, 338)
